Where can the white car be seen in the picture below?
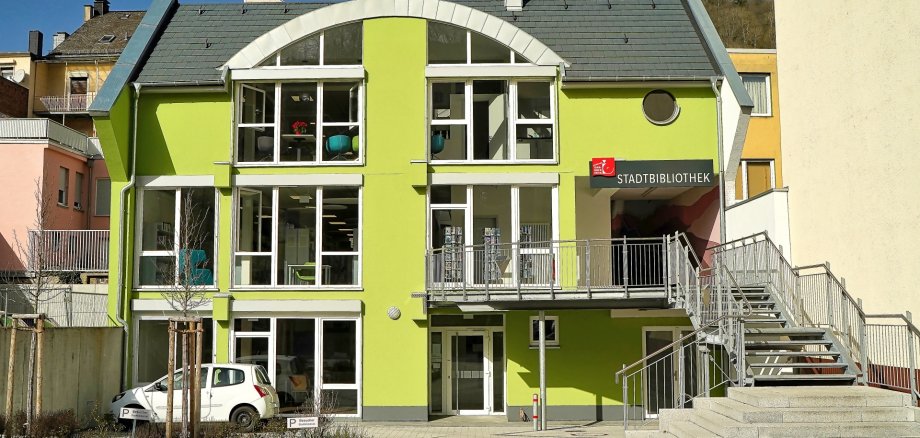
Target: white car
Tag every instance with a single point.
(293, 381)
(238, 393)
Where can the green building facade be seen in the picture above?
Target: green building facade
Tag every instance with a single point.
(378, 200)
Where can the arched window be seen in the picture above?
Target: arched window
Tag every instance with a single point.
(340, 45)
(449, 44)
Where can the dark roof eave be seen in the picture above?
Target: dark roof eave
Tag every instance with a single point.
(625, 81)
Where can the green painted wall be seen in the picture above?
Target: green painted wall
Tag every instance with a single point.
(185, 134)
(593, 347)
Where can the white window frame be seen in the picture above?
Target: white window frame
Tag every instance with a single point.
(535, 336)
(510, 115)
(276, 125)
(275, 258)
(63, 186)
(745, 190)
(318, 319)
(512, 57)
(767, 79)
(151, 317)
(322, 52)
(138, 237)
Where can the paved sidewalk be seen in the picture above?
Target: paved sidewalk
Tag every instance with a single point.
(480, 430)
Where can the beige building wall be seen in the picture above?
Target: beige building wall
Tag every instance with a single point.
(850, 136)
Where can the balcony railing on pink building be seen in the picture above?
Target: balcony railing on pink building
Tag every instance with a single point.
(69, 250)
(71, 103)
(44, 129)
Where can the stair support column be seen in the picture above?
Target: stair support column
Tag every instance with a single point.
(913, 366)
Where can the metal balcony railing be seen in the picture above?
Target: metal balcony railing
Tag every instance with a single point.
(558, 269)
(43, 129)
(68, 250)
(71, 103)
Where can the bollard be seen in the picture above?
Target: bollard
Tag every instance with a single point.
(536, 402)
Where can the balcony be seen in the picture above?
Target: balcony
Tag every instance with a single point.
(43, 129)
(71, 103)
(624, 268)
(69, 250)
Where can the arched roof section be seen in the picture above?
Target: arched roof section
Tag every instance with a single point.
(356, 10)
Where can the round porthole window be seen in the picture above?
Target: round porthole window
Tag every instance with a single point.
(660, 107)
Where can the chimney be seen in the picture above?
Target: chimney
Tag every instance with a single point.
(36, 39)
(514, 5)
(100, 7)
(58, 38)
(87, 12)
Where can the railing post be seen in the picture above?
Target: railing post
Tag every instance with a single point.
(911, 360)
(830, 299)
(665, 272)
(845, 315)
(625, 268)
(625, 393)
(587, 266)
(863, 356)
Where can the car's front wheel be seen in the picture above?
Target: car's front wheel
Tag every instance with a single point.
(245, 417)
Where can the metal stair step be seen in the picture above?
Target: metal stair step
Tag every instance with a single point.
(764, 320)
(763, 353)
(790, 331)
(808, 378)
(799, 365)
(786, 343)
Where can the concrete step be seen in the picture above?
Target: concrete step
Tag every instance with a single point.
(860, 429)
(721, 425)
(818, 396)
(646, 434)
(688, 429)
(745, 413)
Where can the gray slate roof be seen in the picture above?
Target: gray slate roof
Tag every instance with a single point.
(631, 38)
(85, 41)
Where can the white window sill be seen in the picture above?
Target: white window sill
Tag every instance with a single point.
(62, 205)
(302, 288)
(246, 164)
(172, 289)
(492, 162)
(548, 346)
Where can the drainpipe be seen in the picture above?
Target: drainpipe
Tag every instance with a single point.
(132, 149)
(715, 89)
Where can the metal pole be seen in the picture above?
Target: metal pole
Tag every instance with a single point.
(625, 395)
(911, 360)
(199, 330)
(10, 369)
(864, 362)
(625, 269)
(587, 266)
(542, 370)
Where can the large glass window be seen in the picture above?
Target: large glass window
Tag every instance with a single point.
(297, 236)
(299, 122)
(340, 45)
(500, 234)
(489, 120)
(314, 360)
(449, 44)
(176, 237)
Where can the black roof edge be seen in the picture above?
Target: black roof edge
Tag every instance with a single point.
(717, 52)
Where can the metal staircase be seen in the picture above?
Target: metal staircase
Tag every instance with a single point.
(759, 321)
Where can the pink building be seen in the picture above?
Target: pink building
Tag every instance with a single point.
(68, 168)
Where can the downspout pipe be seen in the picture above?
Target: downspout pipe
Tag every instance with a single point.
(714, 81)
(122, 226)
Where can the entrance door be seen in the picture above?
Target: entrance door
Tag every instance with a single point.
(663, 389)
(461, 374)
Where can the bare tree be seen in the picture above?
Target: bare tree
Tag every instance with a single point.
(35, 283)
(186, 278)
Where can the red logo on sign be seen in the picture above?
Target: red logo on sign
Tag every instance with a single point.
(603, 166)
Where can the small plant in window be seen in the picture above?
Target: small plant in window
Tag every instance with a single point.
(300, 127)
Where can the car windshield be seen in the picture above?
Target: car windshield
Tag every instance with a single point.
(179, 382)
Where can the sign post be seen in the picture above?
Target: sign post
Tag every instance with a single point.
(134, 415)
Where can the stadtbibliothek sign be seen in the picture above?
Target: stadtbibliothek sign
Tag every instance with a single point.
(655, 173)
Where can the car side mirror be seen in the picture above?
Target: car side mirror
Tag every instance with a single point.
(160, 387)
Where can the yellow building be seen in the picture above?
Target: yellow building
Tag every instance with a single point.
(761, 159)
(67, 79)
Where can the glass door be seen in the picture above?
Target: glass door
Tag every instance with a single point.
(469, 372)
(461, 374)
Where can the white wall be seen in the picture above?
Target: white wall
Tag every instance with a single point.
(849, 86)
(768, 212)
